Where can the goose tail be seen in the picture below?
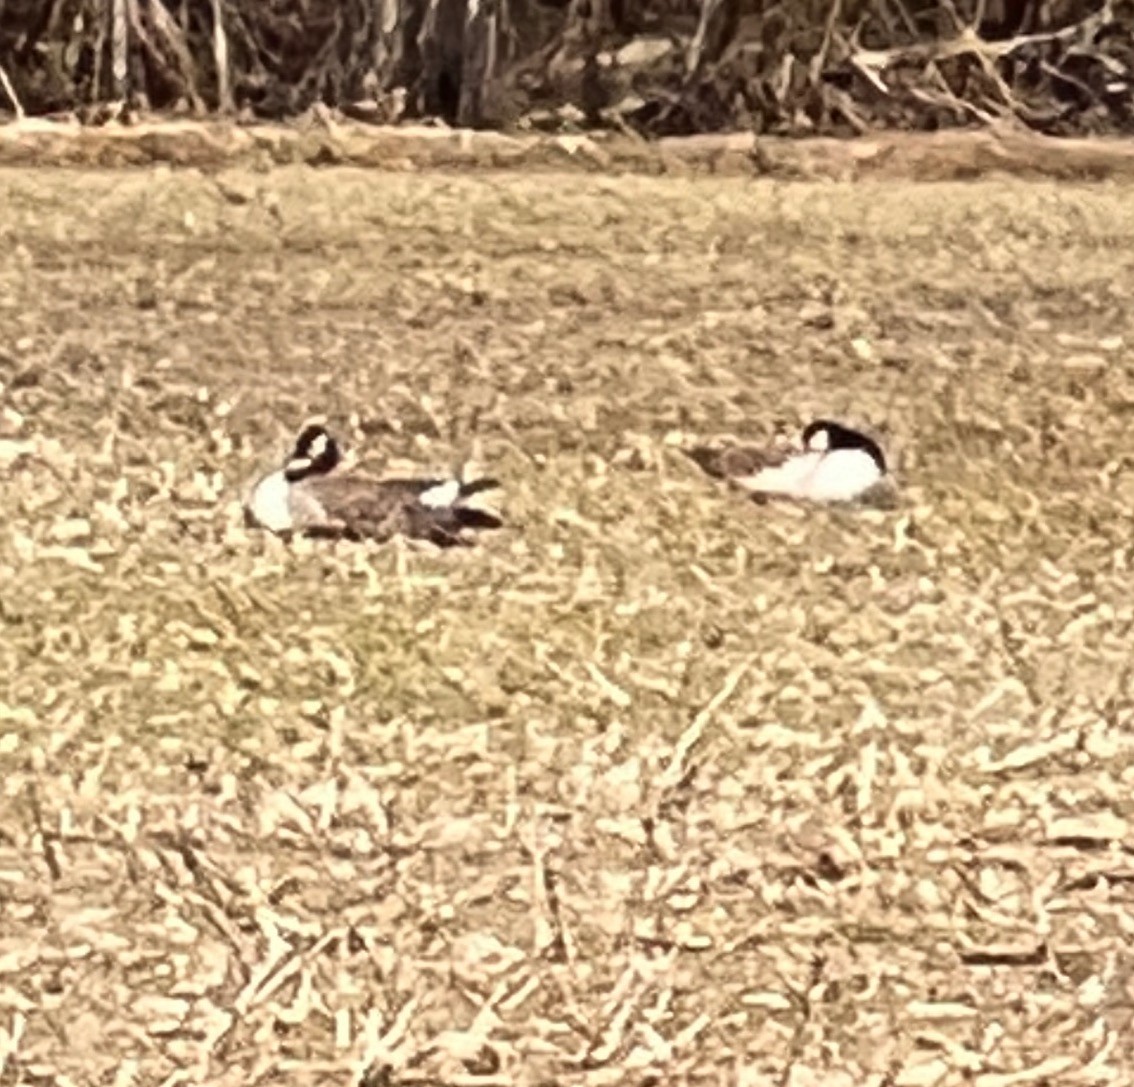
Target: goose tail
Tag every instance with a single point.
(472, 517)
(457, 498)
(734, 463)
(708, 459)
(472, 514)
(475, 487)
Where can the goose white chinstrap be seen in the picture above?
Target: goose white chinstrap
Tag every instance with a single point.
(269, 504)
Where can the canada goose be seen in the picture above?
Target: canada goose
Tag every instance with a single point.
(308, 496)
(836, 464)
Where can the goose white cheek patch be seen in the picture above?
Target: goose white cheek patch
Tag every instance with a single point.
(819, 442)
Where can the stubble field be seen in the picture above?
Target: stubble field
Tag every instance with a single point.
(655, 785)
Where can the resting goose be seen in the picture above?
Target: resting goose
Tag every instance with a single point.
(835, 464)
(308, 496)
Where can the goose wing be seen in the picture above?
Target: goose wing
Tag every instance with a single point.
(736, 463)
(359, 507)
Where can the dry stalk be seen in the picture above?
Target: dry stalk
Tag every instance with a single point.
(709, 9)
(845, 105)
(676, 769)
(168, 30)
(220, 59)
(9, 90)
(948, 100)
(120, 44)
(833, 13)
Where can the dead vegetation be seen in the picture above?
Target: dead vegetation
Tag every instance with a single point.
(654, 786)
(651, 67)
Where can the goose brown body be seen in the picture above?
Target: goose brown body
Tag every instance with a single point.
(360, 507)
(734, 461)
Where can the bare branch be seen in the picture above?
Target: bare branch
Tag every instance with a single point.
(969, 43)
(871, 63)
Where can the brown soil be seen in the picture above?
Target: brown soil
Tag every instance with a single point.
(653, 786)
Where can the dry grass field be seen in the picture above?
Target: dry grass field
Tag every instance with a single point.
(656, 785)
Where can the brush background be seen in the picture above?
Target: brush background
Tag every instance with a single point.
(653, 67)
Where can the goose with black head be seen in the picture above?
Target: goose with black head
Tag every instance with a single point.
(310, 495)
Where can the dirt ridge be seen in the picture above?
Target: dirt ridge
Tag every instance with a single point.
(941, 156)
